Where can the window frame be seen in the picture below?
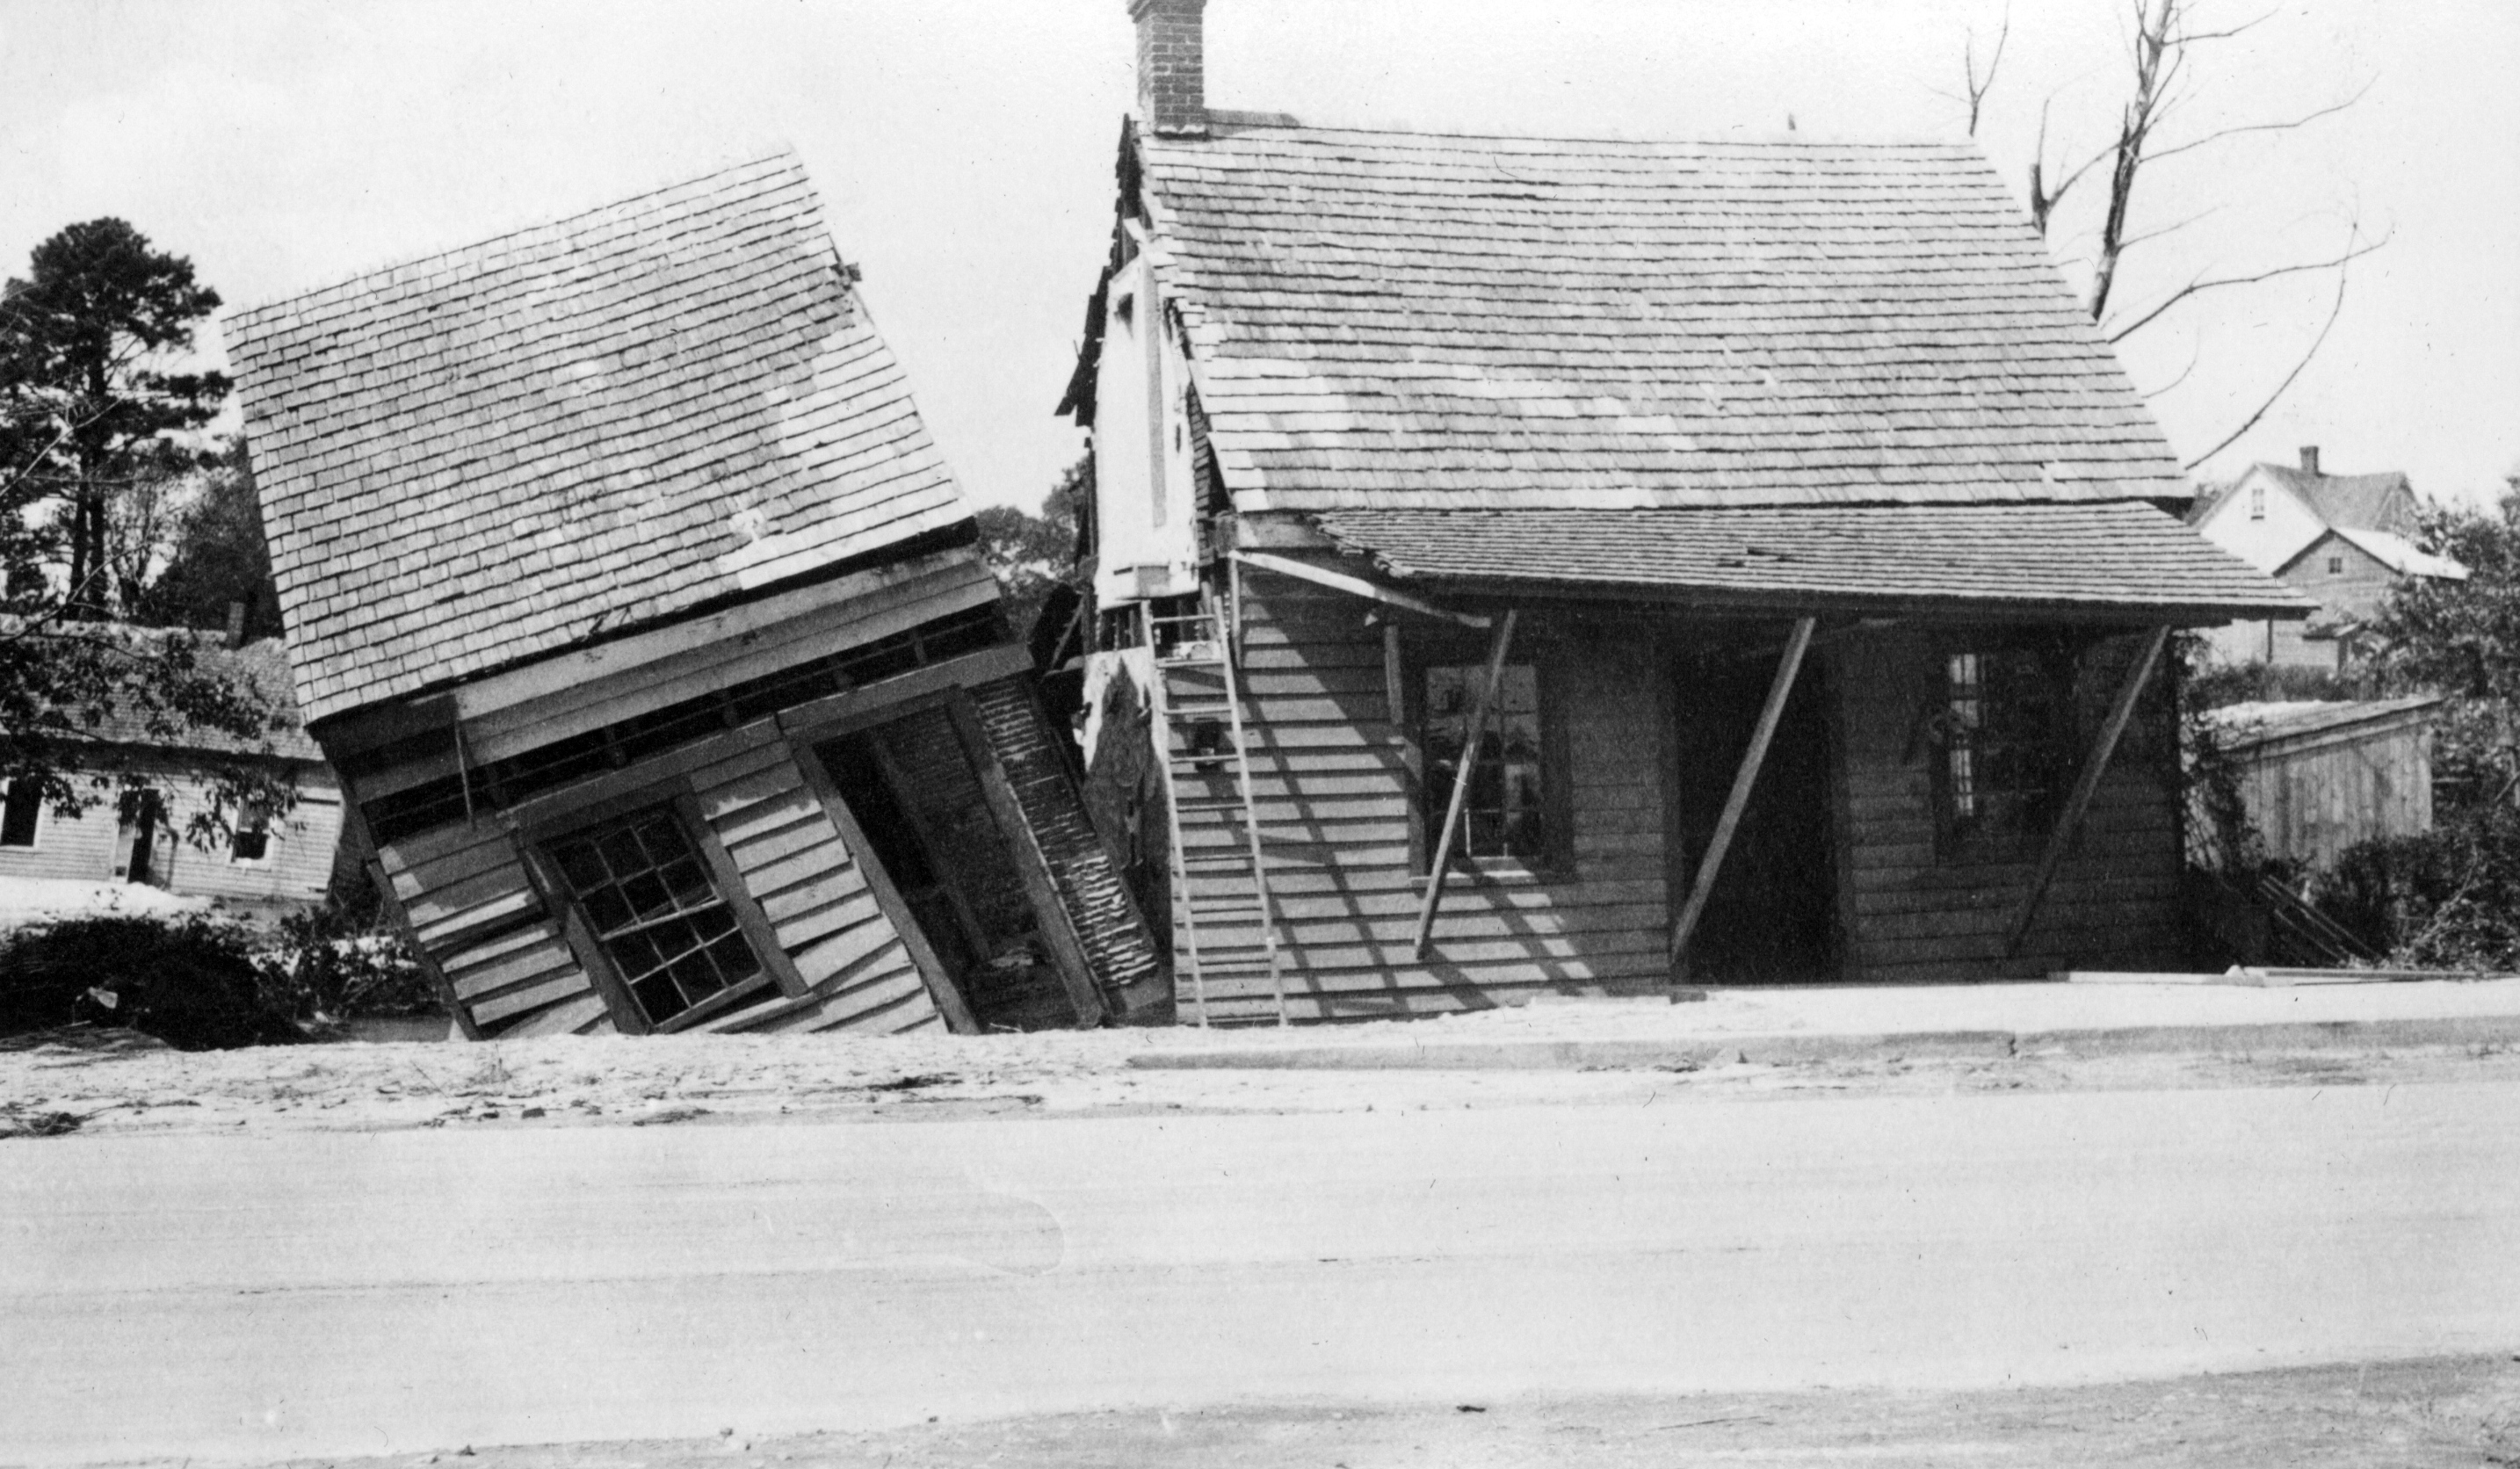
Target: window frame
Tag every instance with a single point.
(259, 824)
(539, 841)
(34, 841)
(2060, 667)
(1422, 650)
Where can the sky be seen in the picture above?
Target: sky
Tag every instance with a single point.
(964, 150)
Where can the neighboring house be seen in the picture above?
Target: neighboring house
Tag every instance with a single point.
(265, 862)
(2342, 540)
(2318, 778)
(651, 635)
(1823, 547)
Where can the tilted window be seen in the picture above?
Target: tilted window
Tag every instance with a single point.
(655, 910)
(2006, 747)
(1506, 812)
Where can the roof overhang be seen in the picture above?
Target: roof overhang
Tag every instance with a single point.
(2122, 562)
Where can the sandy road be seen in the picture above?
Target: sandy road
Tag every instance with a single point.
(300, 1293)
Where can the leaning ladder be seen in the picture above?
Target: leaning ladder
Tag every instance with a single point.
(1225, 887)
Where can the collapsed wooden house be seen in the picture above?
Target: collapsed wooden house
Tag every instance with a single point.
(1538, 563)
(648, 631)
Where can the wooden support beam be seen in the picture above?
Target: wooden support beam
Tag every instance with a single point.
(2095, 765)
(1789, 664)
(1442, 865)
(1354, 586)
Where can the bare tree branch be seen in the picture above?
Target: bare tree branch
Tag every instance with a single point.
(1979, 86)
(2195, 355)
(2352, 251)
(2281, 388)
(2132, 241)
(2260, 127)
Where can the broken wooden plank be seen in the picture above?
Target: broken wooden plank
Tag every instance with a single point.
(1355, 585)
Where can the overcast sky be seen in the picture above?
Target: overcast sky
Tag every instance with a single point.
(964, 150)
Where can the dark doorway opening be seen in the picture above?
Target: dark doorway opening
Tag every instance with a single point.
(916, 794)
(145, 843)
(1773, 916)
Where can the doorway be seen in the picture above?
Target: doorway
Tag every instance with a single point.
(916, 794)
(145, 841)
(1773, 916)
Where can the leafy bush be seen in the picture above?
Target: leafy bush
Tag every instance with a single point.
(2444, 899)
(190, 981)
(335, 963)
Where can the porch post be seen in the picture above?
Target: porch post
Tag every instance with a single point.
(1436, 873)
(2095, 765)
(1778, 691)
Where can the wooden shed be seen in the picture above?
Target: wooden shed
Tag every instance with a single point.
(2318, 778)
(1529, 564)
(649, 632)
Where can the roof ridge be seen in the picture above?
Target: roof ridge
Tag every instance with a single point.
(1237, 123)
(783, 152)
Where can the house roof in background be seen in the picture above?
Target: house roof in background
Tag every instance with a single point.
(1412, 320)
(261, 665)
(497, 453)
(2401, 555)
(2383, 502)
(2116, 558)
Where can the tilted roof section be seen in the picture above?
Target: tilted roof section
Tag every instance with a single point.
(2121, 558)
(1403, 320)
(495, 454)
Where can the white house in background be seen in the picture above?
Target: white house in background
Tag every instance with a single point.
(2341, 540)
(272, 865)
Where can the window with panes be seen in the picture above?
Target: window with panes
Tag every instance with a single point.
(647, 896)
(2006, 723)
(1505, 815)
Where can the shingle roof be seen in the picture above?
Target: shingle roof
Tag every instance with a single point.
(261, 665)
(2383, 502)
(483, 456)
(2097, 558)
(2403, 556)
(1402, 320)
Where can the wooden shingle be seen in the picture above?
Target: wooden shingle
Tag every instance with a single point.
(495, 454)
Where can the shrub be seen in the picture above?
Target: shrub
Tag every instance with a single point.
(190, 981)
(2444, 899)
(335, 963)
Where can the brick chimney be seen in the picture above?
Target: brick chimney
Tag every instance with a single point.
(2310, 458)
(1172, 66)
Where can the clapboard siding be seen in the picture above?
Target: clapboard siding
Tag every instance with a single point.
(92, 846)
(473, 911)
(1916, 913)
(1334, 801)
(808, 884)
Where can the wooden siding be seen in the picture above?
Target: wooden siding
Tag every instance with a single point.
(2316, 795)
(1333, 792)
(473, 907)
(1912, 913)
(296, 869)
(1116, 946)
(858, 974)
(472, 910)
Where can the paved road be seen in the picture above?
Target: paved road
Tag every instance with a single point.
(302, 1294)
